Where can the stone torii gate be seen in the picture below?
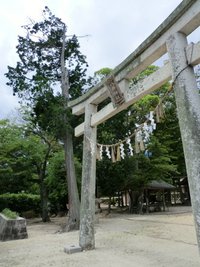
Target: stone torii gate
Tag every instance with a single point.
(170, 37)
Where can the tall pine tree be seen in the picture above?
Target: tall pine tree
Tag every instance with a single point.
(49, 60)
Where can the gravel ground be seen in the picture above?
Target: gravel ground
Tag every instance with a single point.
(158, 239)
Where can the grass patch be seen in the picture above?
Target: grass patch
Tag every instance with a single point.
(10, 214)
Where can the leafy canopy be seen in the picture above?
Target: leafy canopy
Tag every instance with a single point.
(37, 77)
(39, 68)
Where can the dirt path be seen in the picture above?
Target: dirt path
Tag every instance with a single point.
(159, 240)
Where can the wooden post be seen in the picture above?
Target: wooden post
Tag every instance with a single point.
(87, 213)
(188, 108)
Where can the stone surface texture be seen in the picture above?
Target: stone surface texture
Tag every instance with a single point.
(72, 249)
(12, 229)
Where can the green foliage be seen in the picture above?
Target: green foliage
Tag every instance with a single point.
(104, 72)
(122, 175)
(48, 114)
(108, 178)
(10, 214)
(39, 68)
(37, 75)
(162, 166)
(151, 69)
(20, 202)
(139, 111)
(57, 182)
(51, 71)
(23, 157)
(17, 170)
(168, 134)
(99, 75)
(167, 159)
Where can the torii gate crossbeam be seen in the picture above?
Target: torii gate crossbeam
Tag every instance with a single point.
(169, 37)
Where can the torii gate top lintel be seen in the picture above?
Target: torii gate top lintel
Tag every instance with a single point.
(179, 20)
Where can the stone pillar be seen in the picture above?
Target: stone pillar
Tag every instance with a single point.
(188, 108)
(87, 213)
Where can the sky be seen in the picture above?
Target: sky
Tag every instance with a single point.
(114, 29)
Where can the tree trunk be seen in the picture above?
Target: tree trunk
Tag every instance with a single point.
(133, 196)
(118, 199)
(140, 203)
(73, 199)
(44, 200)
(41, 171)
(147, 200)
(134, 205)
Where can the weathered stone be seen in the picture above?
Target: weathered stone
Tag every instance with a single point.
(188, 109)
(12, 229)
(72, 249)
(87, 214)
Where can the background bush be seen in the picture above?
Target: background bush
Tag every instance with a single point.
(20, 202)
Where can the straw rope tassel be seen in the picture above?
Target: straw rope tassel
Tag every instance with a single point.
(142, 148)
(157, 114)
(113, 154)
(161, 111)
(137, 148)
(98, 153)
(160, 114)
(118, 154)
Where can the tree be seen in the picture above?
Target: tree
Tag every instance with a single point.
(99, 75)
(56, 181)
(16, 170)
(109, 179)
(24, 157)
(41, 154)
(49, 59)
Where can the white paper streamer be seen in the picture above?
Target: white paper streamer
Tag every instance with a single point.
(153, 124)
(151, 115)
(128, 141)
(122, 150)
(101, 152)
(108, 152)
(145, 126)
